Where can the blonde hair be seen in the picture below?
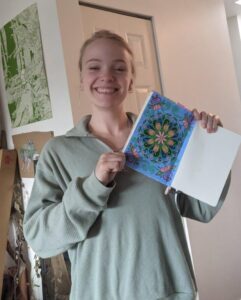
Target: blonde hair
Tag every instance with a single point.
(109, 35)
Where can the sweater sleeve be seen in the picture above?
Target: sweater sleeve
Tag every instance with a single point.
(194, 209)
(57, 218)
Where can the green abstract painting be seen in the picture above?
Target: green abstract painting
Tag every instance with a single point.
(23, 68)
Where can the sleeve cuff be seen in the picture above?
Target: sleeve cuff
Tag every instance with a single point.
(94, 189)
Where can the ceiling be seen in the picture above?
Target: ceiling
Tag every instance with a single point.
(232, 9)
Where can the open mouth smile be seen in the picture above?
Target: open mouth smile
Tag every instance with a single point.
(106, 90)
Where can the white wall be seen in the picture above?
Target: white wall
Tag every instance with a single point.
(234, 25)
(53, 55)
(197, 69)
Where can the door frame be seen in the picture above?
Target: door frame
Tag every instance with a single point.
(131, 14)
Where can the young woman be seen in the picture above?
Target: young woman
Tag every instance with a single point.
(124, 236)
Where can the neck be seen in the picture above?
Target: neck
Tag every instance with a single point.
(109, 122)
(112, 127)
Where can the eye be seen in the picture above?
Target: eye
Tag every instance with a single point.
(120, 69)
(93, 67)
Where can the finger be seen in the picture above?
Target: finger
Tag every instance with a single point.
(119, 154)
(167, 190)
(123, 162)
(210, 123)
(196, 114)
(204, 119)
(112, 166)
(112, 156)
(218, 121)
(111, 160)
(214, 124)
(118, 159)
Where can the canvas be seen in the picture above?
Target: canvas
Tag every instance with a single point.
(29, 146)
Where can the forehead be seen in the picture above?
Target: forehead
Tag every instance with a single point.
(106, 49)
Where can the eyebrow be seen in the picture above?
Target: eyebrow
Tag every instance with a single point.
(99, 60)
(92, 60)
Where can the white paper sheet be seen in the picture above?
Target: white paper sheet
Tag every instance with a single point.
(206, 164)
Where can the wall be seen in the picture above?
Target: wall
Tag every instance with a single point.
(53, 55)
(234, 25)
(197, 69)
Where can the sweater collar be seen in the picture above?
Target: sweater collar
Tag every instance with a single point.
(81, 129)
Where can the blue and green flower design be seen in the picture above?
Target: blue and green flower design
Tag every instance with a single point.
(161, 137)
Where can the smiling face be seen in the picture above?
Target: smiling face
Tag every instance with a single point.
(106, 74)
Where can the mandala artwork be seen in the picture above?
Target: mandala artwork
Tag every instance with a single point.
(159, 138)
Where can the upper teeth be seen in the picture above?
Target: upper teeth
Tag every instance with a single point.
(106, 90)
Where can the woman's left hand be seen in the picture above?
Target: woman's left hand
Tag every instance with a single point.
(208, 121)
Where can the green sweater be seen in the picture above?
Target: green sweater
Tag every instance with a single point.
(125, 242)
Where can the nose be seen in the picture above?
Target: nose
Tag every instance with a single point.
(107, 75)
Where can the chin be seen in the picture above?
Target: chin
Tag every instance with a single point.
(107, 105)
(108, 101)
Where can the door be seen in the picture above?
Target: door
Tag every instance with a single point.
(78, 22)
(138, 33)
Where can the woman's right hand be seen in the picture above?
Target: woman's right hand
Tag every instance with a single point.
(108, 165)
